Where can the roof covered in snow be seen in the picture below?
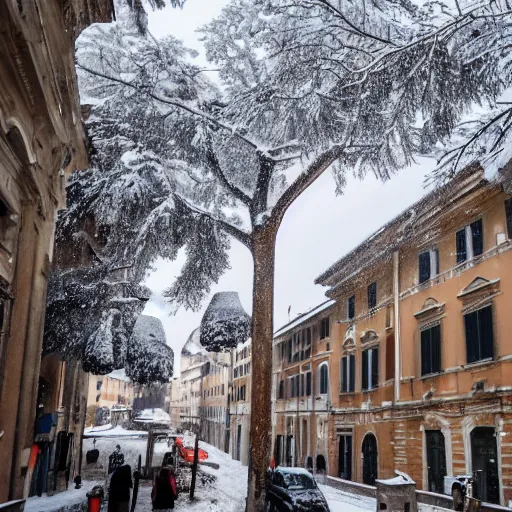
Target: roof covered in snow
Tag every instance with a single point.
(305, 317)
(415, 223)
(193, 345)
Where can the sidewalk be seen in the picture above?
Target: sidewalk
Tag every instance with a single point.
(72, 500)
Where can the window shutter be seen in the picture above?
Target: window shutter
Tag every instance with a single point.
(425, 352)
(460, 242)
(372, 295)
(351, 307)
(478, 237)
(308, 384)
(344, 375)
(364, 372)
(486, 332)
(471, 325)
(424, 266)
(435, 341)
(302, 390)
(375, 367)
(352, 380)
(508, 214)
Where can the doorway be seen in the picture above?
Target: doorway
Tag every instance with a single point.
(289, 450)
(370, 471)
(484, 456)
(238, 442)
(436, 460)
(345, 457)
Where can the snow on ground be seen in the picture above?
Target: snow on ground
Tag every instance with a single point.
(226, 494)
(340, 501)
(68, 501)
(109, 431)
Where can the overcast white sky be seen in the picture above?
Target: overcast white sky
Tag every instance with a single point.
(317, 230)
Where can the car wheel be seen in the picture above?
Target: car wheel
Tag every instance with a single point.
(457, 499)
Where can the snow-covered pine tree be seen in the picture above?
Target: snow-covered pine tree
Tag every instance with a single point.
(149, 358)
(225, 323)
(123, 212)
(310, 83)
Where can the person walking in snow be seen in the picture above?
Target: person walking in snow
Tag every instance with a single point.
(164, 491)
(119, 491)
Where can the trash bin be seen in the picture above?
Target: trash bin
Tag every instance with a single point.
(397, 494)
(94, 499)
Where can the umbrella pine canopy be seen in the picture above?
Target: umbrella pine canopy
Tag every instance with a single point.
(225, 323)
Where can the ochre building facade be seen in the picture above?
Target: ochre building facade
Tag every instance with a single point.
(416, 349)
(41, 140)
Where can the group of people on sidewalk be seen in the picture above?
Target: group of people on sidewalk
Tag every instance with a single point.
(163, 494)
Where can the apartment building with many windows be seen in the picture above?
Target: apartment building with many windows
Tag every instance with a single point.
(240, 402)
(419, 361)
(303, 351)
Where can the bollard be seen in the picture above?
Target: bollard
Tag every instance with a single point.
(94, 499)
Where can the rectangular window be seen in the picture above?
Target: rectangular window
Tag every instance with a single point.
(479, 335)
(477, 237)
(307, 344)
(348, 374)
(308, 383)
(370, 369)
(428, 265)
(470, 241)
(280, 394)
(99, 384)
(460, 242)
(372, 295)
(290, 350)
(351, 307)
(302, 388)
(222, 389)
(324, 328)
(431, 350)
(508, 214)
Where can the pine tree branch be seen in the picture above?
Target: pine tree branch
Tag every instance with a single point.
(234, 231)
(217, 170)
(174, 103)
(360, 32)
(314, 171)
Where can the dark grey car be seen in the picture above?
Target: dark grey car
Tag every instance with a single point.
(294, 489)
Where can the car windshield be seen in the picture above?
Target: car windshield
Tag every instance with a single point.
(298, 481)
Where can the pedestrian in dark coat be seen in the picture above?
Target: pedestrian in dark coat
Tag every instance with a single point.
(164, 490)
(119, 491)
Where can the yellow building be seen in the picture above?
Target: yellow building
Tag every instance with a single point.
(420, 373)
(112, 390)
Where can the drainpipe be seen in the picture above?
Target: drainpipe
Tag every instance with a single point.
(396, 293)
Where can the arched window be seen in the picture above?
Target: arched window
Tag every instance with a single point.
(323, 378)
(320, 463)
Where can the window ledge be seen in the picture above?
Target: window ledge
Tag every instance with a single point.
(479, 364)
(431, 375)
(347, 393)
(370, 390)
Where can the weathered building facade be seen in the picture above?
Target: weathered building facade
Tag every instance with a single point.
(214, 408)
(240, 402)
(420, 375)
(303, 351)
(41, 140)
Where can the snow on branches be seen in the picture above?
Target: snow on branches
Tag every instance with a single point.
(149, 358)
(225, 323)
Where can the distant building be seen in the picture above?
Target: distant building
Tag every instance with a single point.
(240, 402)
(301, 391)
(112, 390)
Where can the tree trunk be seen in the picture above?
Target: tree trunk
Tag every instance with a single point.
(261, 362)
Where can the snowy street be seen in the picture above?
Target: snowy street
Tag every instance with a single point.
(227, 492)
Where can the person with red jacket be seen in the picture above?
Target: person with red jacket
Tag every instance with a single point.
(165, 490)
